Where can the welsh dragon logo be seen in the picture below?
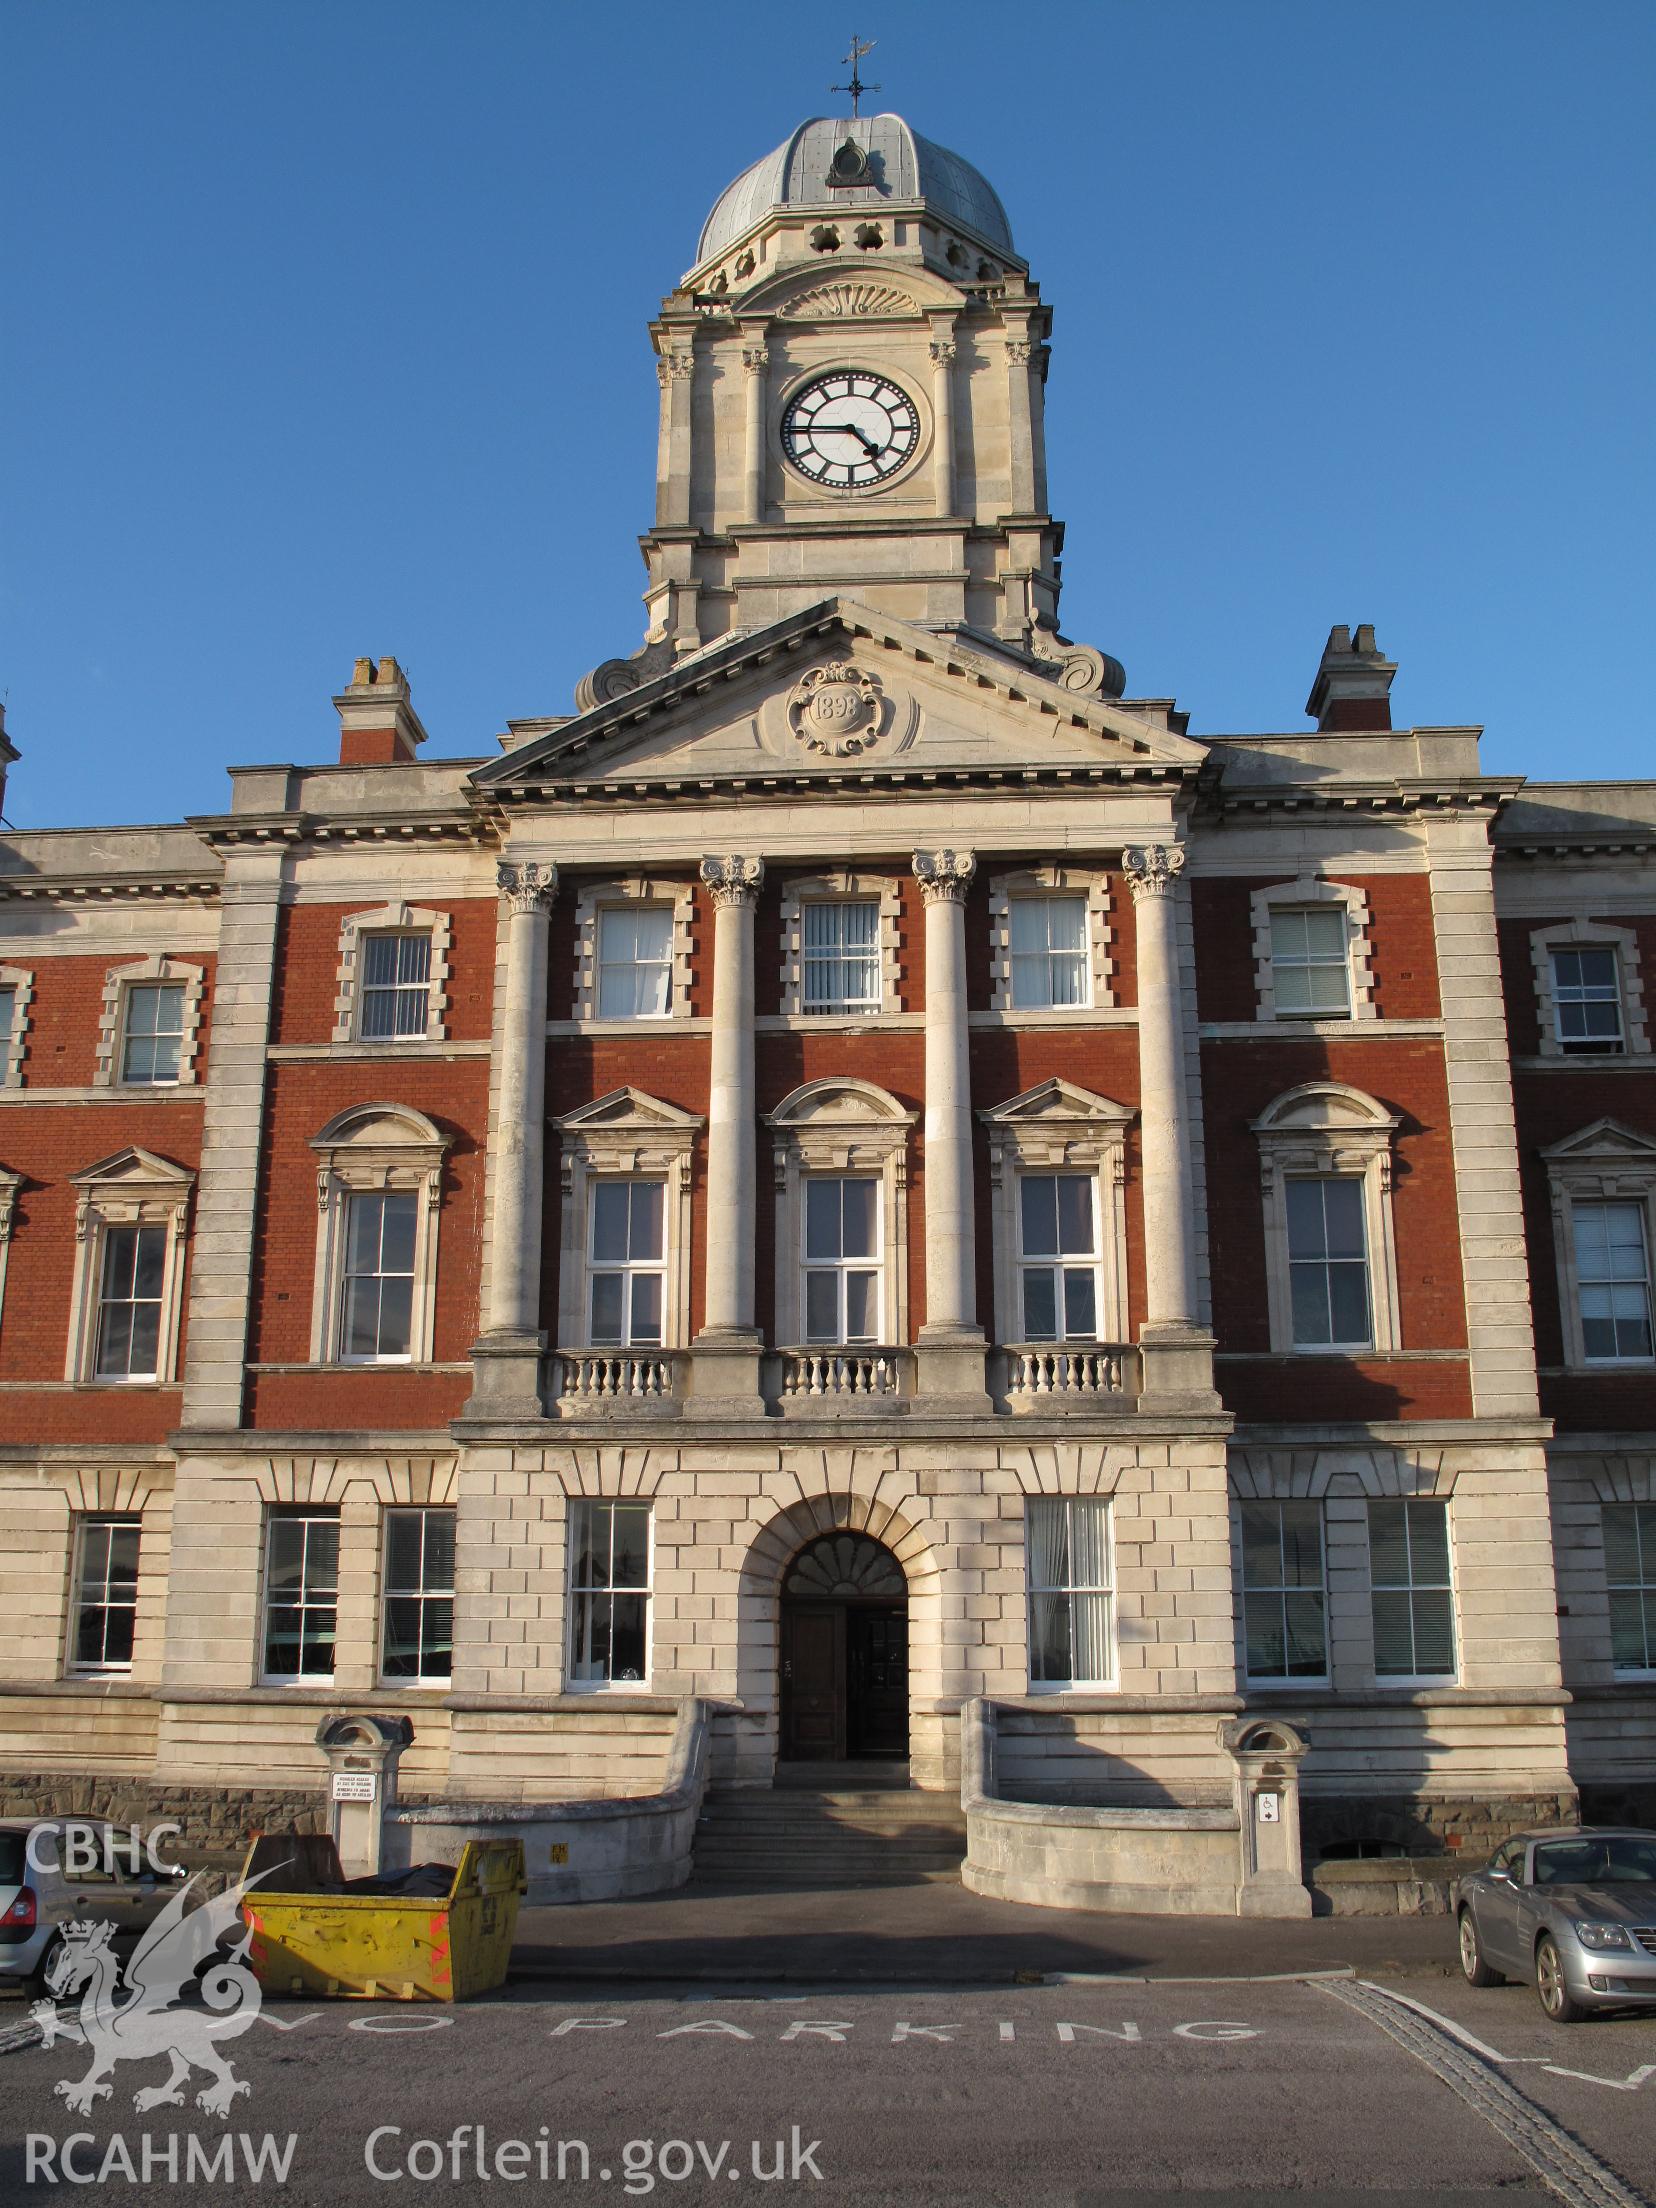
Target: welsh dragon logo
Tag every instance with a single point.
(155, 2017)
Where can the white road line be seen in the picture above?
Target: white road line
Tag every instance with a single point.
(1562, 2163)
(1630, 2084)
(1258, 1978)
(1448, 2024)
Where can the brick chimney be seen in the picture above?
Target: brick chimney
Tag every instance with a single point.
(1353, 686)
(378, 726)
(8, 752)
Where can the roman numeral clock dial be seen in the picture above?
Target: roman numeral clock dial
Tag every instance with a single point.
(850, 430)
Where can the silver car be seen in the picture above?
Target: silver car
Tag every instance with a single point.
(37, 1894)
(1573, 1910)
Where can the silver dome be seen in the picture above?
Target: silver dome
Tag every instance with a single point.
(904, 166)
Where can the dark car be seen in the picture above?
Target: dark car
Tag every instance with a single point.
(1573, 1910)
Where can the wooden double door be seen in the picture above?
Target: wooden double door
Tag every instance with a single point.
(844, 1681)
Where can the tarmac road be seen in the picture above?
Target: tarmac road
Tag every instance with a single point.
(1072, 2094)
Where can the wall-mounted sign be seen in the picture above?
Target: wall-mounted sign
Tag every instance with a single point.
(354, 1786)
(1270, 1808)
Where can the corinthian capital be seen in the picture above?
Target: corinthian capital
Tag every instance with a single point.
(1152, 867)
(732, 879)
(944, 875)
(527, 884)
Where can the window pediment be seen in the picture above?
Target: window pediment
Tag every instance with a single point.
(627, 1110)
(371, 1144)
(1327, 1130)
(131, 1189)
(835, 1102)
(1605, 1142)
(132, 1184)
(1058, 1103)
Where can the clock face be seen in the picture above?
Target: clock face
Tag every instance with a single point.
(849, 429)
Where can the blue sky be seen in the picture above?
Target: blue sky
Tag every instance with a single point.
(325, 335)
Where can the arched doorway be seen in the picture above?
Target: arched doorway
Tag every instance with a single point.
(844, 1653)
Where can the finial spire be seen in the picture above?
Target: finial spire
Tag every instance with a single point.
(856, 88)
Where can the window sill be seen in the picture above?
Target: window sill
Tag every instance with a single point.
(1266, 1026)
(103, 1092)
(387, 1364)
(597, 1689)
(670, 1023)
(1052, 1690)
(839, 1023)
(1262, 1685)
(423, 1046)
(1055, 1015)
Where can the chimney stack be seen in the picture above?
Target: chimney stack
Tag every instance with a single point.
(1353, 686)
(378, 726)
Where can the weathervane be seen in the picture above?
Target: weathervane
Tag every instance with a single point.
(856, 87)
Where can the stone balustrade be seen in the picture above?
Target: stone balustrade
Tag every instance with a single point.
(590, 1377)
(1062, 1373)
(819, 1375)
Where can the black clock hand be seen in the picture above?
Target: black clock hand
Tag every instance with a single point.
(850, 429)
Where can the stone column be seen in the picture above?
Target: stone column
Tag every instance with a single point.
(725, 1361)
(756, 378)
(943, 351)
(1178, 1356)
(674, 369)
(951, 1342)
(506, 1361)
(1021, 350)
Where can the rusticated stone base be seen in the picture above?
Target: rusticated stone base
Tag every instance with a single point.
(1403, 1824)
(212, 1820)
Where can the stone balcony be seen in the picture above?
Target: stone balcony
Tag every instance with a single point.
(862, 1380)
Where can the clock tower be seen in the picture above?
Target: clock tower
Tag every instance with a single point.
(851, 403)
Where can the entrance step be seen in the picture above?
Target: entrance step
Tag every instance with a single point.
(855, 1836)
(838, 1778)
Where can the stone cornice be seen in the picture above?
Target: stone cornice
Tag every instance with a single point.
(1411, 794)
(224, 831)
(105, 888)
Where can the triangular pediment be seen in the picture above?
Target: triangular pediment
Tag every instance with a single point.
(627, 1110)
(841, 693)
(1055, 1101)
(134, 1168)
(1605, 1138)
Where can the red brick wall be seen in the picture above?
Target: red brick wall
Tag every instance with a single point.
(1402, 947)
(301, 1099)
(1523, 1009)
(46, 1143)
(66, 1011)
(1280, 1390)
(582, 1068)
(1550, 1105)
(1008, 1061)
(1238, 1080)
(307, 967)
